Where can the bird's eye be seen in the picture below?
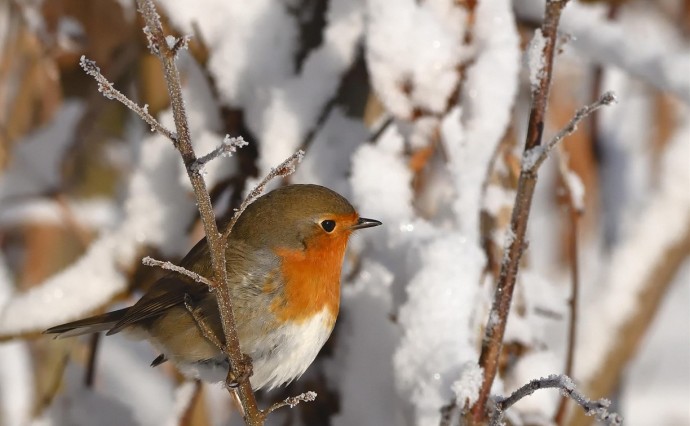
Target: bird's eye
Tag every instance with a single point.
(328, 225)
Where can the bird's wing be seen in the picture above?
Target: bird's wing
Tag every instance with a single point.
(166, 293)
(173, 289)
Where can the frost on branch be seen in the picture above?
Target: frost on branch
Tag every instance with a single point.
(226, 149)
(535, 59)
(598, 408)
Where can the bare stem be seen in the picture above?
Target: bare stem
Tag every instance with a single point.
(285, 168)
(149, 261)
(110, 92)
(202, 324)
(166, 48)
(292, 401)
(534, 157)
(227, 148)
(598, 408)
(498, 316)
(159, 46)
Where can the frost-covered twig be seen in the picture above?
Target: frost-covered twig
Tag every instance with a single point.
(110, 92)
(598, 408)
(216, 242)
(292, 401)
(149, 261)
(225, 149)
(285, 168)
(498, 316)
(534, 157)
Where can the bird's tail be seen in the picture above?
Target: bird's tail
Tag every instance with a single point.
(89, 325)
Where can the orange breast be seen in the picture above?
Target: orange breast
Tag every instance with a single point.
(311, 279)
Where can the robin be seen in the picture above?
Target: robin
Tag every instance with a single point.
(284, 258)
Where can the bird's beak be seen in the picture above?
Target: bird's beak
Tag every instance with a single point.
(363, 222)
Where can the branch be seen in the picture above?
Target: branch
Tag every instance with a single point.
(149, 261)
(285, 168)
(498, 316)
(159, 46)
(225, 149)
(110, 92)
(598, 408)
(534, 157)
(292, 401)
(166, 48)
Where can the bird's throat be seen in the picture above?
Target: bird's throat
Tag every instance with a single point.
(311, 280)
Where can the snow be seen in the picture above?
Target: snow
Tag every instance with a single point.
(493, 77)
(155, 212)
(367, 340)
(466, 388)
(415, 294)
(426, 362)
(253, 69)
(535, 59)
(412, 47)
(92, 213)
(386, 196)
(576, 189)
(531, 156)
(638, 42)
(498, 198)
(333, 145)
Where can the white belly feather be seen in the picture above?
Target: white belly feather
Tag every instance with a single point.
(287, 353)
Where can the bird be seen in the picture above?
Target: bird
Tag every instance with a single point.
(284, 257)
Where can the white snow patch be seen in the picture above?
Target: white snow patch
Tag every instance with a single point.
(467, 388)
(381, 179)
(436, 340)
(535, 59)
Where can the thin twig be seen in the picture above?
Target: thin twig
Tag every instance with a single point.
(285, 168)
(166, 48)
(110, 92)
(533, 158)
(292, 401)
(598, 408)
(216, 242)
(225, 149)
(149, 261)
(515, 244)
(202, 324)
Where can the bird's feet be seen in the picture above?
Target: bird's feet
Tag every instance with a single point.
(240, 373)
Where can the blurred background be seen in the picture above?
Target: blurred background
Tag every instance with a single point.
(414, 110)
